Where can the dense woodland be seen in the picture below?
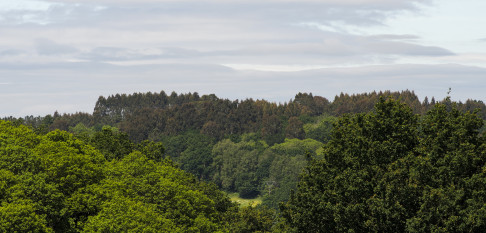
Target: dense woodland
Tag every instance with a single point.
(393, 171)
(373, 162)
(155, 115)
(59, 183)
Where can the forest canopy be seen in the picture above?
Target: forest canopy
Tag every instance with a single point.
(155, 115)
(372, 162)
(391, 171)
(58, 183)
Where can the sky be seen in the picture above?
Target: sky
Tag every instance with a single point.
(61, 55)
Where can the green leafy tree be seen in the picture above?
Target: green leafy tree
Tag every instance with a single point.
(112, 143)
(21, 216)
(153, 150)
(58, 183)
(126, 215)
(452, 162)
(193, 151)
(253, 219)
(39, 172)
(68, 162)
(294, 128)
(140, 193)
(44, 196)
(388, 172)
(321, 130)
(287, 161)
(83, 132)
(236, 166)
(338, 192)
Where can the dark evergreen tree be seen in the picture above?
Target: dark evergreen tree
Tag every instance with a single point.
(386, 171)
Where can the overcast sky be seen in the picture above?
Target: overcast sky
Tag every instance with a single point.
(63, 54)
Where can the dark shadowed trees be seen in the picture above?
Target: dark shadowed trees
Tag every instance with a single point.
(386, 171)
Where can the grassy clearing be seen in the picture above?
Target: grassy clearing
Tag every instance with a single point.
(245, 202)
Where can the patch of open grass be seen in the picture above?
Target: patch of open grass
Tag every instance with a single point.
(245, 202)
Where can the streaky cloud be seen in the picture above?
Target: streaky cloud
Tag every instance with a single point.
(46, 46)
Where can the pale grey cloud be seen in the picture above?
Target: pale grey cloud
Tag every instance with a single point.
(114, 54)
(11, 52)
(79, 90)
(325, 52)
(212, 28)
(369, 3)
(392, 37)
(351, 12)
(48, 47)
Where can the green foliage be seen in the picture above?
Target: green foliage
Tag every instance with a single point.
(254, 219)
(242, 202)
(57, 183)
(193, 151)
(112, 143)
(142, 194)
(20, 216)
(386, 171)
(236, 166)
(68, 162)
(293, 147)
(287, 161)
(83, 132)
(45, 196)
(39, 172)
(321, 130)
(251, 167)
(294, 128)
(125, 215)
(153, 150)
(152, 115)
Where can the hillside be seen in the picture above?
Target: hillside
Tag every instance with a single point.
(252, 147)
(58, 183)
(169, 156)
